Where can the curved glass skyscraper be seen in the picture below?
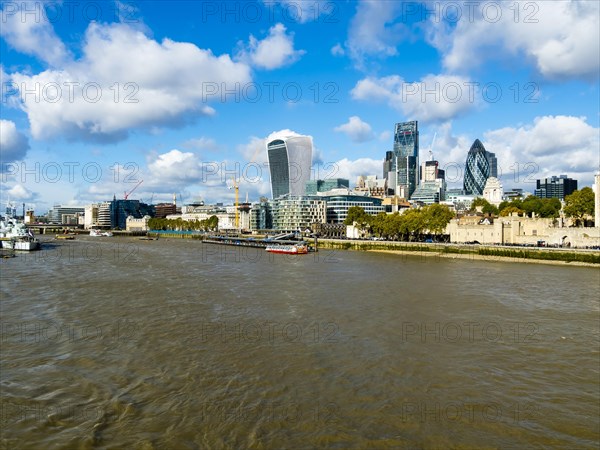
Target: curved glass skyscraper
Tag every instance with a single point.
(480, 165)
(290, 160)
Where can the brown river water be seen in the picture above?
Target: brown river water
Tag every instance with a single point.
(111, 343)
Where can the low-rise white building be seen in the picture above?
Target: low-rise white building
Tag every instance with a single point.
(133, 224)
(493, 191)
(225, 215)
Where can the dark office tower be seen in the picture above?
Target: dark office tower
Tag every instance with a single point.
(478, 168)
(290, 159)
(388, 163)
(555, 187)
(405, 161)
(493, 164)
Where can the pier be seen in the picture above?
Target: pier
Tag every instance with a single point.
(249, 242)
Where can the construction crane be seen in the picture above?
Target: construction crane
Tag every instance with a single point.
(127, 194)
(236, 186)
(432, 144)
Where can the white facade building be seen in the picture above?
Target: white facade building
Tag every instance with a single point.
(133, 224)
(493, 191)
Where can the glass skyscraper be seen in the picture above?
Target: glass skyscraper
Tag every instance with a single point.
(290, 160)
(404, 174)
(480, 165)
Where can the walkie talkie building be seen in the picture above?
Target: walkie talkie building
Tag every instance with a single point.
(290, 160)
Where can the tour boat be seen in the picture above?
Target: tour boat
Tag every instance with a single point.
(16, 236)
(296, 249)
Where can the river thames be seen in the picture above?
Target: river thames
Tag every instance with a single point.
(123, 343)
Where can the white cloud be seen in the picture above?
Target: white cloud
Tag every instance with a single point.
(373, 31)
(25, 29)
(351, 169)
(562, 39)
(552, 144)
(385, 135)
(356, 129)
(433, 98)
(201, 143)
(282, 134)
(254, 151)
(175, 165)
(20, 193)
(274, 51)
(338, 50)
(138, 81)
(14, 145)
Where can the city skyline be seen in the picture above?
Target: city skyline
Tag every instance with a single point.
(211, 89)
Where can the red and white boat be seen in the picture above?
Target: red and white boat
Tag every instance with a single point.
(296, 249)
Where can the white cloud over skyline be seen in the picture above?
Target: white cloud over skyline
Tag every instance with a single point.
(274, 51)
(13, 143)
(561, 39)
(125, 80)
(356, 129)
(433, 98)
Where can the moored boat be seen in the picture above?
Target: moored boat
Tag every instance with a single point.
(68, 237)
(296, 249)
(16, 236)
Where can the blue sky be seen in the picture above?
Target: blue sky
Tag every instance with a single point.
(99, 95)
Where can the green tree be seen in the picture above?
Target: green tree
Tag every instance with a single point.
(508, 210)
(412, 223)
(487, 207)
(393, 225)
(378, 224)
(355, 214)
(532, 204)
(549, 208)
(212, 223)
(436, 218)
(580, 204)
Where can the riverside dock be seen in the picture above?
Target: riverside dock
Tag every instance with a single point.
(248, 242)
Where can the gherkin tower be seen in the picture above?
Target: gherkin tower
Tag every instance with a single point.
(480, 165)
